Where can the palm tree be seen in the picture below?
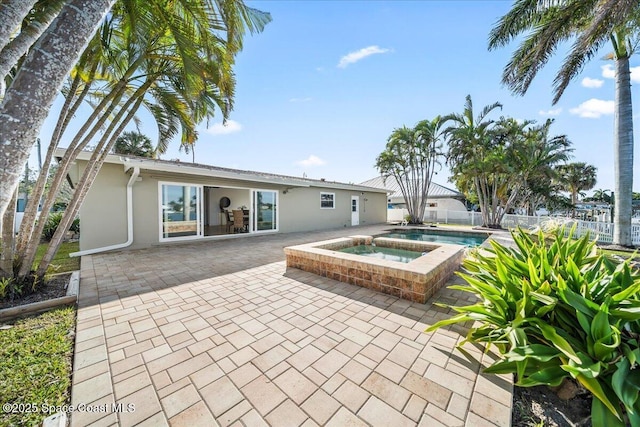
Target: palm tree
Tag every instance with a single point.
(590, 24)
(35, 22)
(473, 157)
(601, 195)
(410, 157)
(180, 72)
(12, 14)
(135, 144)
(535, 159)
(575, 178)
(27, 101)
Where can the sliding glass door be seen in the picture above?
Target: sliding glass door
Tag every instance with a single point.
(180, 211)
(265, 210)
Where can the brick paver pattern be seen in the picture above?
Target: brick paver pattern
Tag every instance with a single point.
(222, 333)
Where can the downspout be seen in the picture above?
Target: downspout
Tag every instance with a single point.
(132, 180)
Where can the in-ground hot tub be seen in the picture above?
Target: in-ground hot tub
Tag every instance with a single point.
(416, 280)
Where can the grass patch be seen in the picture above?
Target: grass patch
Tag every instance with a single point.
(61, 262)
(35, 365)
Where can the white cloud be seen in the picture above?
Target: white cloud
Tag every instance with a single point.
(608, 72)
(592, 83)
(230, 127)
(353, 57)
(593, 108)
(552, 112)
(307, 99)
(311, 161)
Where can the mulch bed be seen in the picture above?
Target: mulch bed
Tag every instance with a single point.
(536, 406)
(55, 287)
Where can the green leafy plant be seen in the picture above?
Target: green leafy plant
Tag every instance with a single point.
(5, 286)
(555, 309)
(53, 222)
(51, 225)
(75, 226)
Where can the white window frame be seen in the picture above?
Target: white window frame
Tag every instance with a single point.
(333, 197)
(199, 229)
(253, 214)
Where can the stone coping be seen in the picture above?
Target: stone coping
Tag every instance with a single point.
(415, 281)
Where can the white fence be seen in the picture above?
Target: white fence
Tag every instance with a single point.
(603, 231)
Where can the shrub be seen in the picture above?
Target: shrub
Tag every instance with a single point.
(556, 309)
(5, 286)
(75, 226)
(52, 223)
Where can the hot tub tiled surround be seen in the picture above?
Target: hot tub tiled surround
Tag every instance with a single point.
(414, 281)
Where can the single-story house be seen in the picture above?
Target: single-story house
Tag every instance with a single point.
(439, 197)
(139, 202)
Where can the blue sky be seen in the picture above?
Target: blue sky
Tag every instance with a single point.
(322, 88)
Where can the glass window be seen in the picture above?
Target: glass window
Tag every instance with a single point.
(265, 209)
(327, 200)
(180, 207)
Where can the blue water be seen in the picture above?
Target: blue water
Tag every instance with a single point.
(469, 240)
(391, 254)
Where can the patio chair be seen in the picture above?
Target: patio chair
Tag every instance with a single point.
(239, 223)
(229, 218)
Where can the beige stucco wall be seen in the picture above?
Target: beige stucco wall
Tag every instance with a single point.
(103, 215)
(300, 209)
(104, 220)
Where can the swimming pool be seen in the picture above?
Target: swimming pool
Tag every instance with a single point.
(380, 252)
(438, 236)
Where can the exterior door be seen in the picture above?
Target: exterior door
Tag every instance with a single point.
(265, 210)
(355, 210)
(180, 211)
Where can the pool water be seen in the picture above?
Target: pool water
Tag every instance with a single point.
(469, 240)
(391, 254)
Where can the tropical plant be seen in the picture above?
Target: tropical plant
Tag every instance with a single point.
(536, 158)
(589, 24)
(410, 157)
(145, 56)
(32, 91)
(476, 157)
(135, 144)
(601, 195)
(37, 19)
(575, 178)
(555, 309)
(5, 286)
(51, 225)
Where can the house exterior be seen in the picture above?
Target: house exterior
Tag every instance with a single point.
(439, 198)
(138, 202)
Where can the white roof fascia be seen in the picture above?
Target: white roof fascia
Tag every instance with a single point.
(185, 168)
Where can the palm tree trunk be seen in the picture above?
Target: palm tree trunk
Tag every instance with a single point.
(623, 154)
(12, 12)
(84, 184)
(19, 46)
(27, 256)
(8, 235)
(67, 111)
(27, 102)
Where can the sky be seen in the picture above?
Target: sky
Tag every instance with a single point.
(320, 90)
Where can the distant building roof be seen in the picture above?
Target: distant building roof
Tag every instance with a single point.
(436, 191)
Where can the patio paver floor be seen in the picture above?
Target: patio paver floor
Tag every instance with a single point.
(222, 332)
